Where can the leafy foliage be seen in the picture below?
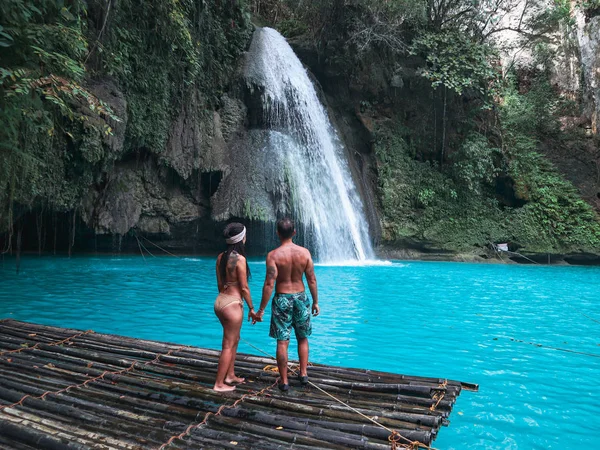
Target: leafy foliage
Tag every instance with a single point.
(55, 142)
(456, 62)
(555, 216)
(48, 116)
(475, 163)
(194, 47)
(420, 202)
(458, 210)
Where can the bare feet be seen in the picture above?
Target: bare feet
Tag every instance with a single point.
(223, 388)
(234, 380)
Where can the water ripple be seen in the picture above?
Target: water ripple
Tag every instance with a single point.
(460, 321)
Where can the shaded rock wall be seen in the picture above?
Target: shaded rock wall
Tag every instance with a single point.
(588, 35)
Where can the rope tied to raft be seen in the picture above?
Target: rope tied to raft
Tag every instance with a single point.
(26, 346)
(394, 438)
(222, 408)
(90, 380)
(439, 396)
(271, 368)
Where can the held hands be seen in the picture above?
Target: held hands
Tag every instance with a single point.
(256, 316)
(252, 316)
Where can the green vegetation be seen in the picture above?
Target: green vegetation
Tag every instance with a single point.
(57, 137)
(460, 153)
(461, 142)
(460, 209)
(163, 52)
(52, 127)
(421, 203)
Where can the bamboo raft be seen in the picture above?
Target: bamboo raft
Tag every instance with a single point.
(70, 389)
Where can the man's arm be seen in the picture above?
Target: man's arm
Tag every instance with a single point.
(311, 279)
(268, 286)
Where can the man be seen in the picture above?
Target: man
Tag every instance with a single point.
(291, 307)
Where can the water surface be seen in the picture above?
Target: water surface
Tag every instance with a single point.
(430, 319)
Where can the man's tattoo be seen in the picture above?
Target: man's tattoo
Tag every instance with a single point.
(271, 270)
(232, 263)
(310, 271)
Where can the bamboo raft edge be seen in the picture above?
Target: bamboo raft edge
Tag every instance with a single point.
(67, 388)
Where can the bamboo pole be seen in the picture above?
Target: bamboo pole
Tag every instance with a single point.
(34, 437)
(129, 393)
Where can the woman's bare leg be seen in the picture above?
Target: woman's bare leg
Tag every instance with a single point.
(231, 378)
(231, 318)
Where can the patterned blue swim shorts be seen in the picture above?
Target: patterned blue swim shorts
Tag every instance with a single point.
(290, 310)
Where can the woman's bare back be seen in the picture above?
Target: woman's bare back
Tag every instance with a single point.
(230, 285)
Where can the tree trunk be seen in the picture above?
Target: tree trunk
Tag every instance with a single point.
(55, 221)
(18, 262)
(444, 122)
(39, 222)
(72, 233)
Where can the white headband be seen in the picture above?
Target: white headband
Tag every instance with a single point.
(237, 238)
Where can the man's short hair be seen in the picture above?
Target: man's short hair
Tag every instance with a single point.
(286, 228)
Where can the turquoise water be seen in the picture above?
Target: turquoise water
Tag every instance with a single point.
(430, 319)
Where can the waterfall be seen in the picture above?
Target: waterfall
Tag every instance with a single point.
(322, 196)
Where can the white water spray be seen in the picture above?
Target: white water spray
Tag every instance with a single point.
(324, 200)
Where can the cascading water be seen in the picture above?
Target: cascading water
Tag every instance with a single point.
(322, 196)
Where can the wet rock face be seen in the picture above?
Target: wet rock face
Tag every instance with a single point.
(244, 191)
(159, 194)
(589, 43)
(197, 138)
(187, 137)
(154, 225)
(140, 196)
(232, 117)
(121, 210)
(107, 90)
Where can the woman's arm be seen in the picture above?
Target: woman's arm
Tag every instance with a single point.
(219, 281)
(242, 277)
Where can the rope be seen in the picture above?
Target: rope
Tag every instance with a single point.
(218, 413)
(140, 247)
(394, 437)
(439, 396)
(159, 247)
(578, 311)
(523, 256)
(90, 380)
(588, 317)
(149, 252)
(256, 348)
(22, 349)
(593, 355)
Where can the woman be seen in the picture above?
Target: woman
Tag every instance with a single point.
(232, 278)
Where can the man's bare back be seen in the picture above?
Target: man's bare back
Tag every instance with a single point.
(289, 262)
(285, 267)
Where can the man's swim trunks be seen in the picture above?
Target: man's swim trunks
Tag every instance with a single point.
(290, 310)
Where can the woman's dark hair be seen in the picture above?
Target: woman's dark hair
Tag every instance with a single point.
(233, 229)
